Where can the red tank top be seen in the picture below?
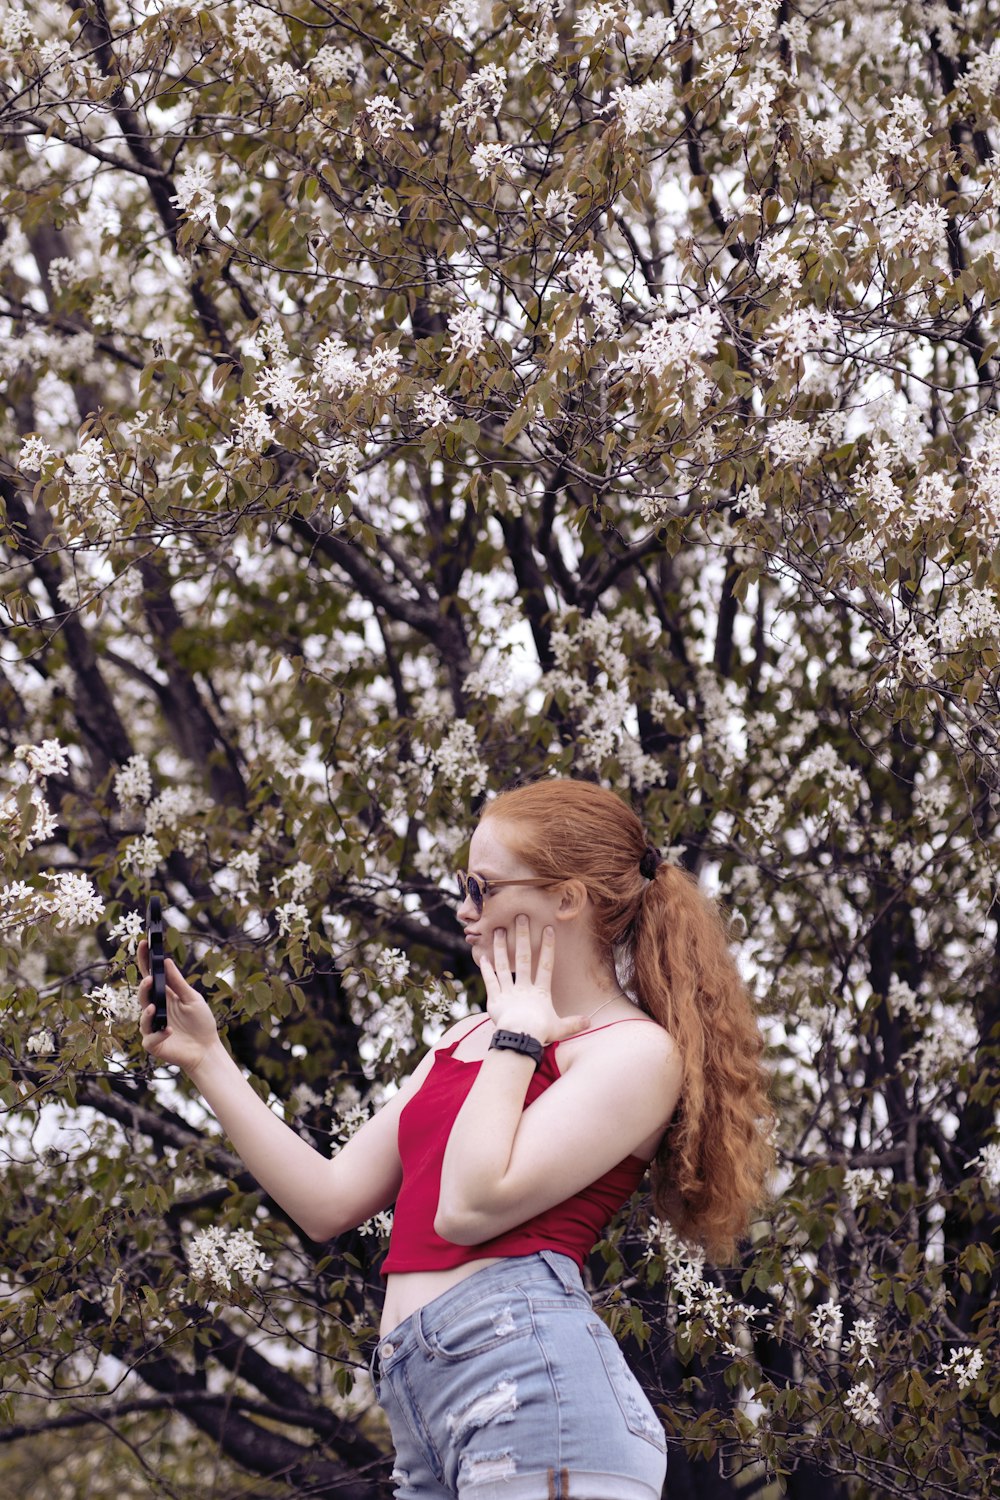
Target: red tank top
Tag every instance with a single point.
(571, 1227)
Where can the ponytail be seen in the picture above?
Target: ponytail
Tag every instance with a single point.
(709, 1171)
(669, 943)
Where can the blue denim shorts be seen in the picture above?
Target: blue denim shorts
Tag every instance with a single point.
(509, 1387)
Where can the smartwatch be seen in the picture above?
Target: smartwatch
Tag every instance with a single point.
(517, 1041)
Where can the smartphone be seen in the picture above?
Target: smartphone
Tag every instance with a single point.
(157, 960)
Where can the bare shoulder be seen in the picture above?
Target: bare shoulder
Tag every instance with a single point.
(459, 1029)
(637, 1041)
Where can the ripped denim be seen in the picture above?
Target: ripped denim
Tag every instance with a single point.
(509, 1387)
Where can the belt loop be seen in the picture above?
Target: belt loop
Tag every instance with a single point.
(563, 1269)
(418, 1333)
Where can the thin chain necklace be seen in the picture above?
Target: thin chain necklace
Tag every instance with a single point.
(597, 1012)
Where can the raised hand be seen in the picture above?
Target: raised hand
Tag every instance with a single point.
(522, 1000)
(190, 1032)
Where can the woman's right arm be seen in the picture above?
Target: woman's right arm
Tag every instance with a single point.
(324, 1196)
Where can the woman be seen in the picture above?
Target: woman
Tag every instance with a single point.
(617, 1034)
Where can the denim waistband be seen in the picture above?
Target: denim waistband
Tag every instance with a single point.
(516, 1271)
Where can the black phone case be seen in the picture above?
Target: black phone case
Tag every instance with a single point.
(157, 960)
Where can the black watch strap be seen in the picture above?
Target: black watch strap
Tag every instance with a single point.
(518, 1041)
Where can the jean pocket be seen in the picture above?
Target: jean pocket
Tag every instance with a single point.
(640, 1418)
(475, 1330)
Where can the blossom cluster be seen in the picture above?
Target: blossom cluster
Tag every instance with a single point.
(457, 761)
(216, 1255)
(673, 344)
(696, 1297)
(66, 900)
(587, 277)
(491, 157)
(480, 98)
(117, 1004)
(963, 1366)
(134, 782)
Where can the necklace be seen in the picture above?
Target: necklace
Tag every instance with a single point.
(597, 1012)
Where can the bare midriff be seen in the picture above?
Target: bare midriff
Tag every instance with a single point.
(405, 1291)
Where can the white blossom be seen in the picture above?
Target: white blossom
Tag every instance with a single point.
(386, 116)
(755, 99)
(256, 29)
(336, 64)
(861, 1183)
(21, 905)
(975, 616)
(337, 365)
(41, 1041)
(302, 878)
(481, 97)
(963, 1366)
(195, 195)
(117, 1003)
(864, 1339)
(392, 967)
(457, 761)
(862, 1404)
(903, 126)
(559, 203)
(801, 331)
(665, 707)
(586, 275)
(50, 758)
(216, 1255)
(645, 106)
(34, 455)
(790, 441)
(171, 808)
(76, 902)
(468, 333)
(293, 918)
(245, 866)
(134, 782)
(433, 407)
(825, 1323)
(777, 265)
(916, 228)
(286, 81)
(142, 855)
(381, 370)
(254, 429)
(650, 34)
(129, 929)
(673, 344)
(493, 156)
(987, 1163)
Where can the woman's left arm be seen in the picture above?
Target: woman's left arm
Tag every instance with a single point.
(504, 1163)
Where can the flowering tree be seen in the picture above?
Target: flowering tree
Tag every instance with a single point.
(400, 401)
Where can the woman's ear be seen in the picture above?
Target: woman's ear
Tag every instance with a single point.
(572, 900)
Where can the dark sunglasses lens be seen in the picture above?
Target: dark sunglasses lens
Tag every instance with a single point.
(469, 886)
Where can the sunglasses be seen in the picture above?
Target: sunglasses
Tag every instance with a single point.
(478, 889)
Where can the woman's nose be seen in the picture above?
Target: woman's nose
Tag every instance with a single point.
(468, 910)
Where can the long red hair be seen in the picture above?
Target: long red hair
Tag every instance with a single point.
(668, 942)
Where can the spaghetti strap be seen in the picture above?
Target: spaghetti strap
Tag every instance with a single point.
(625, 1021)
(450, 1049)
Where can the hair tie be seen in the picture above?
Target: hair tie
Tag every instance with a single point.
(650, 861)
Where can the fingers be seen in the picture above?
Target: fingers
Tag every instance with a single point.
(522, 948)
(178, 984)
(546, 957)
(142, 955)
(151, 1039)
(501, 957)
